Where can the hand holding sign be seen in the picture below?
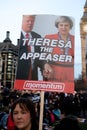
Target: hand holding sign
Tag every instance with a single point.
(48, 71)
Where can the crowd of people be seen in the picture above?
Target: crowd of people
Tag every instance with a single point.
(57, 106)
(61, 105)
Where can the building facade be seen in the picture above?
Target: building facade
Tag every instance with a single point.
(83, 34)
(8, 62)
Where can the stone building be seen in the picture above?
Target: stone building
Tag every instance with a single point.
(83, 34)
(8, 62)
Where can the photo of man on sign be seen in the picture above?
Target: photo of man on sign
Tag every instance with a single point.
(27, 67)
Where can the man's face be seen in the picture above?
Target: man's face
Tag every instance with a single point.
(28, 23)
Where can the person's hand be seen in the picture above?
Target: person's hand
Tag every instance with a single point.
(48, 71)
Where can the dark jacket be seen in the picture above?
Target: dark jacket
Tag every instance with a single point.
(24, 65)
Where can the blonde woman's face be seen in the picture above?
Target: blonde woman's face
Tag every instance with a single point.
(64, 28)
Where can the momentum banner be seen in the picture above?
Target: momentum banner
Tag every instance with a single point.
(46, 54)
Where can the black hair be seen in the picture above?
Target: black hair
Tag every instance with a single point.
(27, 104)
(68, 123)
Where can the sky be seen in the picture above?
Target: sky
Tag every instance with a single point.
(12, 11)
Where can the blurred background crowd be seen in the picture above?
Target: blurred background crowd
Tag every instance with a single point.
(56, 106)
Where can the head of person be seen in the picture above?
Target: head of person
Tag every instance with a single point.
(68, 123)
(28, 23)
(64, 24)
(23, 114)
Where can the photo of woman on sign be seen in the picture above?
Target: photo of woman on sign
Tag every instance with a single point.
(61, 67)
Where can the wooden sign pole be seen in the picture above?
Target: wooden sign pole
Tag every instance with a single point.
(41, 111)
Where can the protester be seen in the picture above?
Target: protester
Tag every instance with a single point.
(68, 123)
(24, 115)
